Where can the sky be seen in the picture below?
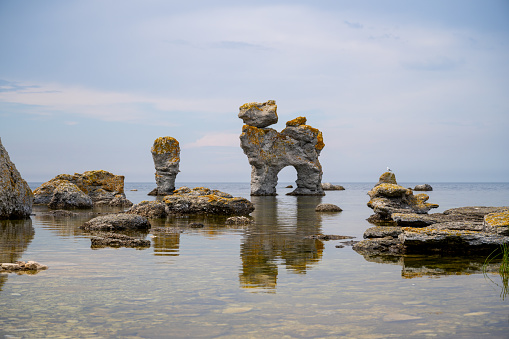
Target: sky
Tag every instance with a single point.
(421, 87)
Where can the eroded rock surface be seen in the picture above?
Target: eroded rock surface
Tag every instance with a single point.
(269, 151)
(71, 191)
(116, 222)
(166, 155)
(388, 198)
(117, 240)
(458, 231)
(199, 200)
(15, 194)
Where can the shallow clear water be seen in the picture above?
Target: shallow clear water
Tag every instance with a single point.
(259, 281)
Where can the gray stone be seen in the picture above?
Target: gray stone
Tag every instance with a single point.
(258, 114)
(116, 222)
(166, 155)
(269, 151)
(15, 195)
(68, 195)
(21, 266)
(327, 208)
(327, 186)
(424, 187)
(199, 200)
(387, 198)
(382, 232)
(104, 188)
(238, 220)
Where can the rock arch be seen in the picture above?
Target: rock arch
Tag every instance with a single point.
(269, 151)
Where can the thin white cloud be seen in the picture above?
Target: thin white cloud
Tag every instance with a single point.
(216, 139)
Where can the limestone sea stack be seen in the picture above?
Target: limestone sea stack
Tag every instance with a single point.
(92, 188)
(166, 155)
(15, 194)
(269, 151)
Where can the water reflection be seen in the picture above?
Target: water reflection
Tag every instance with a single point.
(416, 266)
(15, 236)
(278, 237)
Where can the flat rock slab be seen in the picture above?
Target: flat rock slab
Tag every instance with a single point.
(115, 222)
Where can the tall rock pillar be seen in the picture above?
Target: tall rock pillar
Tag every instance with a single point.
(166, 155)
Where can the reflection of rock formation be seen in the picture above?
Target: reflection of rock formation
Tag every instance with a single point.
(15, 235)
(269, 151)
(166, 243)
(277, 239)
(415, 266)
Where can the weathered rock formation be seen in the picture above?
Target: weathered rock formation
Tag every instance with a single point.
(199, 200)
(387, 197)
(465, 230)
(82, 190)
(423, 187)
(116, 222)
(15, 194)
(166, 155)
(269, 151)
(327, 186)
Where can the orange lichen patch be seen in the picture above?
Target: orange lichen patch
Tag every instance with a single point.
(105, 179)
(433, 231)
(165, 145)
(254, 135)
(389, 190)
(251, 105)
(319, 142)
(497, 219)
(297, 121)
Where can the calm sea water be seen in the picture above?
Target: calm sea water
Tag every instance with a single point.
(265, 280)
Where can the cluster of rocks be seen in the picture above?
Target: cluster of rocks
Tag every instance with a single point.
(166, 156)
(464, 230)
(15, 195)
(199, 200)
(387, 197)
(92, 188)
(22, 266)
(269, 151)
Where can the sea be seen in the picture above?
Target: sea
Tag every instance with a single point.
(270, 279)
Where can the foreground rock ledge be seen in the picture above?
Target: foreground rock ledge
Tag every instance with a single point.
(15, 194)
(199, 200)
(22, 266)
(460, 231)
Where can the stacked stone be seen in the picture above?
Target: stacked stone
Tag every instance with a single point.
(269, 151)
(166, 155)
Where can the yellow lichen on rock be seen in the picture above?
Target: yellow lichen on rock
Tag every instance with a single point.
(319, 142)
(164, 145)
(297, 121)
(497, 219)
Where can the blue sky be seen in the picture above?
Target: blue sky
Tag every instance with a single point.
(420, 86)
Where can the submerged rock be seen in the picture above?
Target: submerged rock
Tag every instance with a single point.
(71, 191)
(199, 200)
(166, 155)
(21, 266)
(15, 194)
(269, 151)
(117, 240)
(116, 222)
(388, 198)
(238, 220)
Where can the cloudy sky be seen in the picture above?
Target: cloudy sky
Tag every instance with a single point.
(420, 86)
